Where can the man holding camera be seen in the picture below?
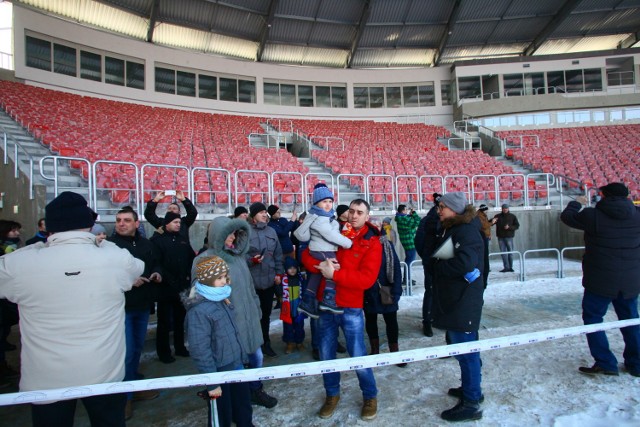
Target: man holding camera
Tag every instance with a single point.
(185, 222)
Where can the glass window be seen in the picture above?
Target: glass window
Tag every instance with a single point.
(534, 84)
(64, 60)
(573, 79)
(323, 96)
(427, 95)
(394, 97)
(361, 97)
(593, 79)
(305, 96)
(615, 115)
(165, 80)
(90, 66)
(555, 82)
(271, 93)
(410, 94)
(542, 119)
(632, 114)
(186, 83)
(513, 84)
(208, 86)
(228, 89)
(491, 86)
(38, 54)
(376, 97)
(135, 75)
(469, 87)
(525, 119)
(446, 92)
(114, 71)
(564, 116)
(598, 116)
(288, 95)
(338, 97)
(247, 91)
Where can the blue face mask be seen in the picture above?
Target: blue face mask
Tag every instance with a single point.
(213, 294)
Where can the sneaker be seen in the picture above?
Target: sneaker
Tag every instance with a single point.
(328, 303)
(260, 398)
(340, 348)
(329, 407)
(457, 392)
(369, 409)
(309, 308)
(290, 348)
(183, 352)
(145, 395)
(268, 351)
(464, 410)
(427, 330)
(167, 358)
(596, 370)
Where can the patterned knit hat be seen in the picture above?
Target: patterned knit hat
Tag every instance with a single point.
(321, 192)
(210, 268)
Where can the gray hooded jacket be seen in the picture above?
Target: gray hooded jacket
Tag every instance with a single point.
(243, 295)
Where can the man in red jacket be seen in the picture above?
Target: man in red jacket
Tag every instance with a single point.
(355, 270)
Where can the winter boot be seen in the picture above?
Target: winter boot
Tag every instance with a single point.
(369, 409)
(465, 410)
(308, 305)
(328, 303)
(457, 392)
(329, 407)
(427, 330)
(267, 350)
(393, 348)
(290, 348)
(375, 345)
(261, 398)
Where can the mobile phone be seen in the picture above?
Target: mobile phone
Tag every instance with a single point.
(169, 192)
(263, 250)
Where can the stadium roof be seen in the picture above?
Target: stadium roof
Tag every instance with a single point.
(363, 33)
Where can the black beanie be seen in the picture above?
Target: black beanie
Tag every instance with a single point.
(272, 209)
(256, 208)
(68, 211)
(614, 189)
(239, 211)
(170, 216)
(341, 209)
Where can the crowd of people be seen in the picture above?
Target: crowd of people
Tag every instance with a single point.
(335, 266)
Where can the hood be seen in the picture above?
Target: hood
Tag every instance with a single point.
(616, 207)
(467, 217)
(221, 227)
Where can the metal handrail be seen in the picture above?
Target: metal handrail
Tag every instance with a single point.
(305, 181)
(473, 187)
(364, 191)
(54, 178)
(524, 258)
(369, 193)
(466, 177)
(273, 194)
(421, 187)
(258, 172)
(569, 248)
(398, 177)
(94, 177)
(16, 169)
(228, 183)
(521, 273)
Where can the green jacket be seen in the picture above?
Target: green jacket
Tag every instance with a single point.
(407, 226)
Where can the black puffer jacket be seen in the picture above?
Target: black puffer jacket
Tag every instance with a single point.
(457, 304)
(176, 258)
(139, 298)
(611, 262)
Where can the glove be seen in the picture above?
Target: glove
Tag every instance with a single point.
(472, 275)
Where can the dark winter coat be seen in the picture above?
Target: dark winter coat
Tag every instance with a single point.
(457, 304)
(506, 219)
(611, 262)
(284, 228)
(426, 235)
(141, 297)
(263, 237)
(176, 257)
(185, 222)
(372, 299)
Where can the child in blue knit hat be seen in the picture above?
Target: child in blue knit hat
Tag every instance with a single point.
(322, 230)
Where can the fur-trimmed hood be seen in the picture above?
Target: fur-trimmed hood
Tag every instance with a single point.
(220, 228)
(465, 218)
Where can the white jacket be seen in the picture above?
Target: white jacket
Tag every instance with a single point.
(70, 293)
(322, 233)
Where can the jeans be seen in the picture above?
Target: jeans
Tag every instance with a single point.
(255, 361)
(313, 284)
(135, 324)
(103, 411)
(409, 257)
(266, 305)
(594, 307)
(293, 332)
(506, 245)
(470, 366)
(315, 338)
(352, 324)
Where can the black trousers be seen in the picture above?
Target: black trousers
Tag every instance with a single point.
(234, 405)
(104, 411)
(390, 321)
(266, 305)
(171, 315)
(427, 299)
